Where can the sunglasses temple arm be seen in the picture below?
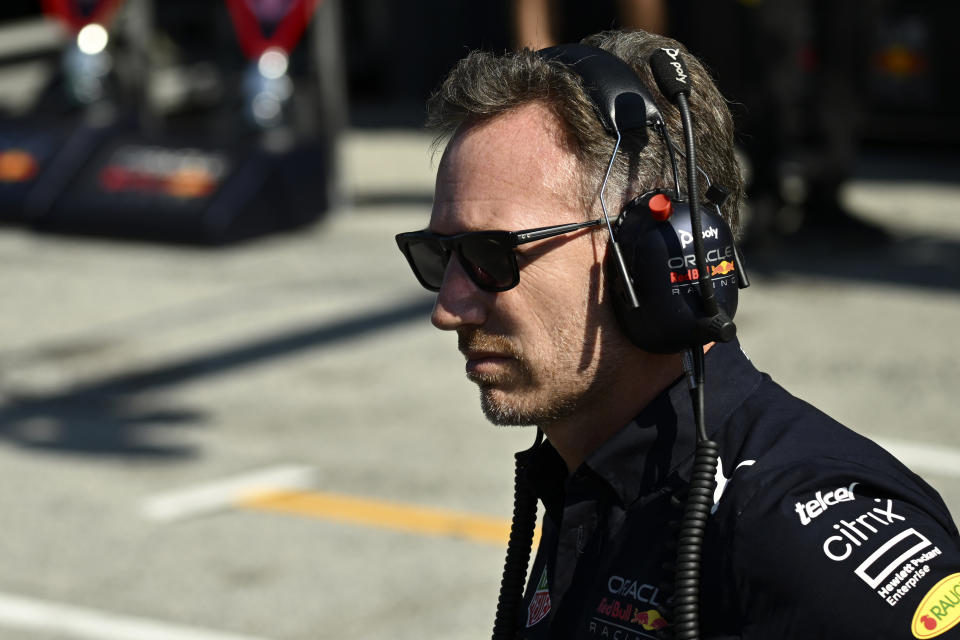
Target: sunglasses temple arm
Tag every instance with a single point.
(550, 232)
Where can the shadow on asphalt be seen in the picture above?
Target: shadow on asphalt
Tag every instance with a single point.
(109, 416)
(103, 417)
(393, 199)
(923, 262)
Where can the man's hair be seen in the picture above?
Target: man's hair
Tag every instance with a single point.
(483, 85)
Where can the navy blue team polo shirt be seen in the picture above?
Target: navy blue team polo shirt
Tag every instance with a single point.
(816, 531)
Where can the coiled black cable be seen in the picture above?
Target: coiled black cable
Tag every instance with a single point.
(696, 511)
(690, 541)
(518, 549)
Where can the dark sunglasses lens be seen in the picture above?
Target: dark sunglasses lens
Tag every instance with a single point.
(429, 260)
(489, 263)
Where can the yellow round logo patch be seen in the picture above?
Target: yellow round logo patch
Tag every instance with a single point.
(939, 611)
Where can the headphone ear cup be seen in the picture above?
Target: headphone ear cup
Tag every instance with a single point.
(660, 258)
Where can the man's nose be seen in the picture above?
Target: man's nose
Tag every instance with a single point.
(459, 302)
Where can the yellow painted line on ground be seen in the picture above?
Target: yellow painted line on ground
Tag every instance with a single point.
(381, 514)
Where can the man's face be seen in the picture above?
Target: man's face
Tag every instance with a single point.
(543, 350)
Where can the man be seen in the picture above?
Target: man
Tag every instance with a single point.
(814, 532)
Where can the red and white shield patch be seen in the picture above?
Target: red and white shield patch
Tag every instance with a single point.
(540, 603)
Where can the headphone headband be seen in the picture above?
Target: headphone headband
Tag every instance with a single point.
(622, 100)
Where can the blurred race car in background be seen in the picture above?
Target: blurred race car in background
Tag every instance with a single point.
(210, 121)
(175, 120)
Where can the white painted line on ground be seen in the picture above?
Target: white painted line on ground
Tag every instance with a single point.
(222, 494)
(924, 457)
(68, 621)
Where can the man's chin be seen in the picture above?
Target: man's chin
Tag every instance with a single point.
(499, 410)
(515, 408)
(521, 407)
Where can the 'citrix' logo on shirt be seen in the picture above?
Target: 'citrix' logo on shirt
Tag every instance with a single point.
(822, 501)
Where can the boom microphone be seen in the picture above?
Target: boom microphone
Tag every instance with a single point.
(672, 78)
(670, 72)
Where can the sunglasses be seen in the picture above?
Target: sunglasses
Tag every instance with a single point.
(487, 256)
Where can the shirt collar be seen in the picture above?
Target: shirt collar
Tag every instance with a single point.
(648, 449)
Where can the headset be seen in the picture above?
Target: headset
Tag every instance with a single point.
(674, 272)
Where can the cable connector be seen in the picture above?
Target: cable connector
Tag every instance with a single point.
(688, 368)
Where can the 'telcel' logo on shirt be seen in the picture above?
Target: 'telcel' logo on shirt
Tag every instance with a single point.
(822, 501)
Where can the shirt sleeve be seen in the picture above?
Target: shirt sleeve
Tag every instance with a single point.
(832, 550)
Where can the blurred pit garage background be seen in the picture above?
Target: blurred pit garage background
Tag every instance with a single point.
(223, 412)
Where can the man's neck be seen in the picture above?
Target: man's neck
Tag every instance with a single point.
(577, 436)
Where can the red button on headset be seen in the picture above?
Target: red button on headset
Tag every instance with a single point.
(660, 207)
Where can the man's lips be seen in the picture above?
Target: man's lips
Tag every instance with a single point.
(478, 354)
(479, 362)
(488, 356)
